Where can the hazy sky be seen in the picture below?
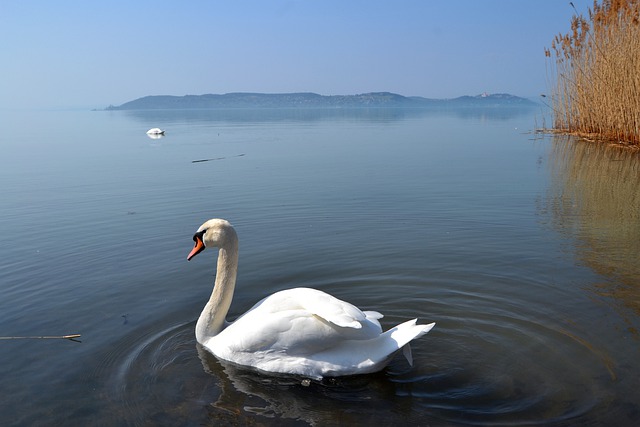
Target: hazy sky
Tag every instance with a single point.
(92, 54)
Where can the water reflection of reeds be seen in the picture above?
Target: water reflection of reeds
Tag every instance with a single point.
(595, 200)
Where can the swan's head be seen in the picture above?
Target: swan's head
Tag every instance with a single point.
(213, 233)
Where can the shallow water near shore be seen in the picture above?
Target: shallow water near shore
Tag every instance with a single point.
(523, 249)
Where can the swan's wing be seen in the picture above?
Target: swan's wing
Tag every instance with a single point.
(301, 319)
(319, 304)
(330, 308)
(295, 332)
(373, 317)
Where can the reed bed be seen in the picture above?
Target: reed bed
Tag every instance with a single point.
(596, 91)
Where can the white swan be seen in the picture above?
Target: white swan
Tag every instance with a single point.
(298, 331)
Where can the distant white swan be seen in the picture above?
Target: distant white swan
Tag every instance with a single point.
(298, 331)
(155, 131)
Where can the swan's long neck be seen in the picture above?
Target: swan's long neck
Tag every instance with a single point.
(212, 318)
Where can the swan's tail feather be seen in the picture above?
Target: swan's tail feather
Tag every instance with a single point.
(405, 332)
(408, 331)
(406, 351)
(400, 336)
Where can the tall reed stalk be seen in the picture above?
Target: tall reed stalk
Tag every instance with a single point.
(597, 68)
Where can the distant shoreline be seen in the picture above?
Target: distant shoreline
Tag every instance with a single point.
(313, 100)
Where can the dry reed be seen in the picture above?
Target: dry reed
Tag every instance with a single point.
(597, 66)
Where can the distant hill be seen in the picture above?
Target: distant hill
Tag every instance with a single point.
(313, 100)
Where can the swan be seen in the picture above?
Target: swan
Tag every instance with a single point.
(299, 331)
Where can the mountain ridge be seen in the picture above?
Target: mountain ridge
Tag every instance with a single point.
(314, 100)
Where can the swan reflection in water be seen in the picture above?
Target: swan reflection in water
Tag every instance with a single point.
(246, 396)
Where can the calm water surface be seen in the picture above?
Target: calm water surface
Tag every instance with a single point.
(523, 249)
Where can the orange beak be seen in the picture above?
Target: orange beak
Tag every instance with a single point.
(197, 248)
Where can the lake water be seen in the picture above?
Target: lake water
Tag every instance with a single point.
(522, 248)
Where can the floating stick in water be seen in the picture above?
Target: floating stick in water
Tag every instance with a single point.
(71, 337)
(217, 158)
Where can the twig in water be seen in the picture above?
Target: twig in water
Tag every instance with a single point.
(71, 337)
(217, 158)
(206, 160)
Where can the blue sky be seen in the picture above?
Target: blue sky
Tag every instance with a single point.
(67, 54)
